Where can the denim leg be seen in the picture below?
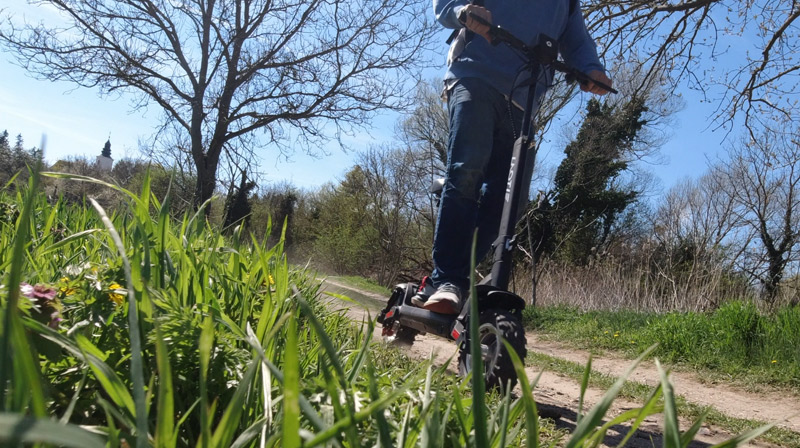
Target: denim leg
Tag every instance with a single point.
(477, 113)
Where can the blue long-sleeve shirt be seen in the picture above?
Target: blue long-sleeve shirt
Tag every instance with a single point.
(526, 19)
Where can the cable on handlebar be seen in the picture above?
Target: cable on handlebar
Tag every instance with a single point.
(545, 52)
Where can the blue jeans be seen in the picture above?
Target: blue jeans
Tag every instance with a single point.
(479, 153)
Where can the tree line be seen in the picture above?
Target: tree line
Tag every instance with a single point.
(733, 232)
(241, 77)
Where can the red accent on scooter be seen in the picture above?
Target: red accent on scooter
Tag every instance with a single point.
(455, 334)
(390, 314)
(423, 283)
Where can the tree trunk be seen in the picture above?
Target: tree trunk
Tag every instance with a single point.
(774, 277)
(206, 181)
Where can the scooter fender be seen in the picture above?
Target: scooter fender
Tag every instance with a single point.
(401, 295)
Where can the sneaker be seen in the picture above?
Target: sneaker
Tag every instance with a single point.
(423, 292)
(446, 300)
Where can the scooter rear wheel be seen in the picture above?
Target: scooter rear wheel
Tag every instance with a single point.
(498, 367)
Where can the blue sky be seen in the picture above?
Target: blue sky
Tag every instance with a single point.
(77, 122)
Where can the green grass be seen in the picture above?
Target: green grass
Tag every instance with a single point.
(148, 331)
(364, 284)
(735, 341)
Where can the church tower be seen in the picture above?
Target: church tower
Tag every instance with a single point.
(104, 160)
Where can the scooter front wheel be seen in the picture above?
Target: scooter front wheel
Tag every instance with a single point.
(498, 368)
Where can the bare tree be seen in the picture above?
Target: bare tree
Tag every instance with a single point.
(301, 72)
(402, 212)
(692, 231)
(687, 36)
(762, 179)
(428, 125)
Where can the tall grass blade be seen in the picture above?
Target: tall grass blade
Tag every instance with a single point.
(165, 424)
(91, 180)
(11, 180)
(16, 429)
(266, 387)
(650, 407)
(531, 412)
(111, 429)
(600, 434)
(291, 386)
(205, 346)
(226, 428)
(251, 433)
(72, 238)
(505, 409)
(430, 427)
(478, 384)
(137, 373)
(595, 416)
(688, 436)
(71, 407)
(672, 432)
(587, 372)
(745, 438)
(362, 355)
(384, 431)
(308, 410)
(13, 338)
(359, 417)
(333, 359)
(405, 428)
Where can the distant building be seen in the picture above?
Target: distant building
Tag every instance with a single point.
(104, 160)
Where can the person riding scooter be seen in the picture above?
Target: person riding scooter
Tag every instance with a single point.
(485, 116)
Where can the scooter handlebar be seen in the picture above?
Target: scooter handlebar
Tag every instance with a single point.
(545, 52)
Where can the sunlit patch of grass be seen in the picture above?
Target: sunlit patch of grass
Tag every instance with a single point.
(364, 284)
(734, 342)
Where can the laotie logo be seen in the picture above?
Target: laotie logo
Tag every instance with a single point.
(510, 176)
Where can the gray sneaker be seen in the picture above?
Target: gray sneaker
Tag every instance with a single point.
(446, 300)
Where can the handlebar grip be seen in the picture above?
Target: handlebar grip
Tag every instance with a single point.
(462, 16)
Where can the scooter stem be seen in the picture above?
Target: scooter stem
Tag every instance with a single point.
(515, 190)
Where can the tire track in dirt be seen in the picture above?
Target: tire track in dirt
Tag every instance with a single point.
(559, 395)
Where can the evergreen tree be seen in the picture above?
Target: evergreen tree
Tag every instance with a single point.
(15, 159)
(587, 199)
(237, 204)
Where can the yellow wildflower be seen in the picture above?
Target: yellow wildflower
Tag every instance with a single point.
(66, 290)
(116, 297)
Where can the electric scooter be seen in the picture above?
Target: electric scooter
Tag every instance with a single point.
(500, 311)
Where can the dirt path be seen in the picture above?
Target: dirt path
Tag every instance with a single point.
(557, 394)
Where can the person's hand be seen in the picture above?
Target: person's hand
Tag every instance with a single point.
(591, 87)
(472, 24)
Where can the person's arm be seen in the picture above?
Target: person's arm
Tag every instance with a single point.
(446, 12)
(578, 50)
